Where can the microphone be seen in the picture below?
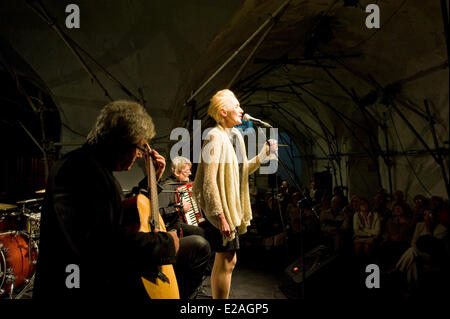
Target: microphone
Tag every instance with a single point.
(247, 118)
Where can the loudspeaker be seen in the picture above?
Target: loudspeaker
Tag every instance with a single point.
(314, 260)
(320, 264)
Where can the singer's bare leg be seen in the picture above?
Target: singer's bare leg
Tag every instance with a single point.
(224, 263)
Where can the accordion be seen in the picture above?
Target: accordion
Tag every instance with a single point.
(184, 194)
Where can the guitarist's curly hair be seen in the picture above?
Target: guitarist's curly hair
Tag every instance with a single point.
(122, 122)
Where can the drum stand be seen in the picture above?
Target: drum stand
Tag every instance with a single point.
(27, 288)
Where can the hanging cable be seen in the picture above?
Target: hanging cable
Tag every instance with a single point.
(379, 29)
(73, 131)
(406, 155)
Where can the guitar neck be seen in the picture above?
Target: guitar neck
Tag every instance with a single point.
(153, 190)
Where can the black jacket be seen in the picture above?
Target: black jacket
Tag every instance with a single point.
(83, 223)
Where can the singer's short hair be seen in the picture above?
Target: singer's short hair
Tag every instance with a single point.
(179, 162)
(223, 99)
(122, 122)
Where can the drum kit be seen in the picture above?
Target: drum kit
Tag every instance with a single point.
(19, 240)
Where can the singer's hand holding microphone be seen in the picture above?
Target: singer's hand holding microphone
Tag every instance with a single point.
(272, 147)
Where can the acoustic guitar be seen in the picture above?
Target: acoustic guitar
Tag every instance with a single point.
(163, 283)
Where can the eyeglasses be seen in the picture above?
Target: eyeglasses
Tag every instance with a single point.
(140, 148)
(186, 171)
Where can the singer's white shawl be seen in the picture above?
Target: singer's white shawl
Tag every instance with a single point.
(217, 187)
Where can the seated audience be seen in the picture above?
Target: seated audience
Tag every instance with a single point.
(429, 249)
(420, 205)
(324, 203)
(396, 237)
(366, 229)
(399, 198)
(334, 224)
(381, 207)
(352, 208)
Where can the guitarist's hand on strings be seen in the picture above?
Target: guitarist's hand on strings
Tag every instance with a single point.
(160, 164)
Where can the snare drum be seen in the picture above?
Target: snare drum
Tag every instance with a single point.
(33, 224)
(18, 258)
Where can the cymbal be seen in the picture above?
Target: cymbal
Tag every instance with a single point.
(27, 201)
(41, 191)
(7, 206)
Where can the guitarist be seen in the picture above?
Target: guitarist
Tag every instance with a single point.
(189, 270)
(83, 223)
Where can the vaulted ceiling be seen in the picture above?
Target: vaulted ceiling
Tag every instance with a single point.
(311, 68)
(320, 70)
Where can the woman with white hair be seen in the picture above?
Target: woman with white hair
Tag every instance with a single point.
(221, 186)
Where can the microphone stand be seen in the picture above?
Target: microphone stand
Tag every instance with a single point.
(301, 207)
(302, 254)
(282, 219)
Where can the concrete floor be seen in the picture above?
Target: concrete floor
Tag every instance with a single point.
(257, 275)
(248, 283)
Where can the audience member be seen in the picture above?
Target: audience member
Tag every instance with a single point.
(396, 237)
(366, 229)
(323, 205)
(334, 224)
(283, 197)
(436, 204)
(428, 247)
(381, 207)
(399, 198)
(349, 211)
(352, 208)
(420, 204)
(313, 193)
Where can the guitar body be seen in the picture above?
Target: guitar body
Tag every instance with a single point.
(165, 285)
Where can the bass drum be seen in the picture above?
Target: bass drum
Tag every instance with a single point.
(18, 258)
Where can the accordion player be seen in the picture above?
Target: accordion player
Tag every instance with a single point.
(193, 216)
